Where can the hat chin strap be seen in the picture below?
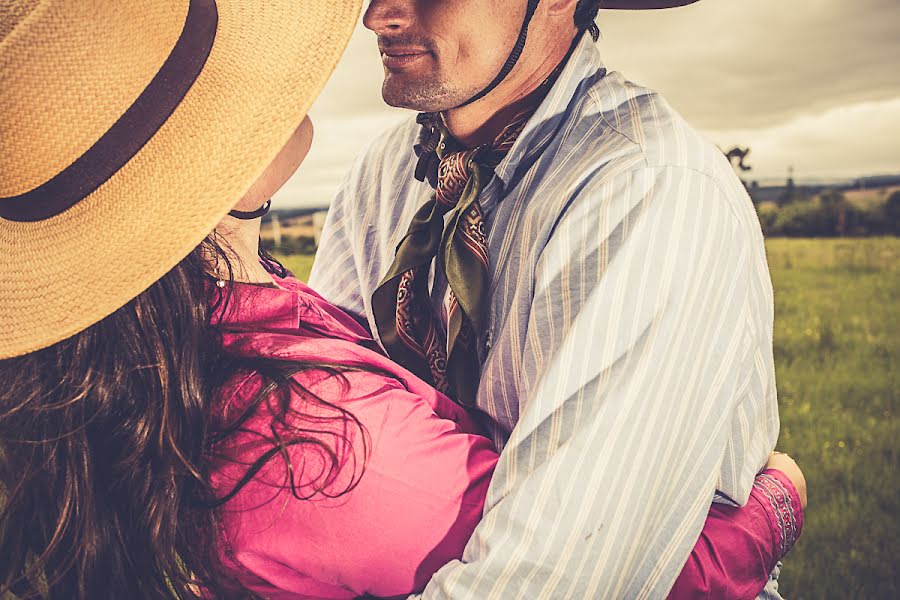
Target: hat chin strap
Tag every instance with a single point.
(254, 214)
(513, 56)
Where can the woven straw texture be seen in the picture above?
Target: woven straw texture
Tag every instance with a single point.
(68, 70)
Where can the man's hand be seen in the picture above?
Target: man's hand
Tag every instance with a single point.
(788, 466)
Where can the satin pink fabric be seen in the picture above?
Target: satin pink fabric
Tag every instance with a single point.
(424, 484)
(425, 480)
(739, 546)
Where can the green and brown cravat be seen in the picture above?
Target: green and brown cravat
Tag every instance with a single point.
(409, 328)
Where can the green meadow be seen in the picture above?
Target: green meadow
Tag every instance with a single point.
(837, 343)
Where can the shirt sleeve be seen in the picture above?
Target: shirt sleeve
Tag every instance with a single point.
(740, 546)
(641, 363)
(413, 508)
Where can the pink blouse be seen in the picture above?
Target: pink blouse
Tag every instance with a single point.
(425, 477)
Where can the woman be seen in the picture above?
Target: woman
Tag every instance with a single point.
(179, 417)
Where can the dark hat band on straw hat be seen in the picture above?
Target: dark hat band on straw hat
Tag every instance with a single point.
(131, 131)
(252, 214)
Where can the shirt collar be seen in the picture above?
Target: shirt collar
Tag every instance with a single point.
(585, 63)
(292, 307)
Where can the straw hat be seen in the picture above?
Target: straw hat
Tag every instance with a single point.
(128, 130)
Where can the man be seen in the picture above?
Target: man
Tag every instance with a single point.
(593, 259)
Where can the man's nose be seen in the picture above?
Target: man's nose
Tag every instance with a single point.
(388, 16)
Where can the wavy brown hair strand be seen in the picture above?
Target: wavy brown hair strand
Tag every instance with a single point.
(106, 440)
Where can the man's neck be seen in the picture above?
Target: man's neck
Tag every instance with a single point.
(482, 121)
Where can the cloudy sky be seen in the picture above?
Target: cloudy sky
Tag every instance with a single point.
(809, 83)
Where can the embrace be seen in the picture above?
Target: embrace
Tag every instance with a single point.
(533, 361)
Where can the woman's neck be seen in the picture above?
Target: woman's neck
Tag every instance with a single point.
(240, 241)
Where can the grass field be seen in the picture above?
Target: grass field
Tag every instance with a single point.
(837, 344)
(299, 264)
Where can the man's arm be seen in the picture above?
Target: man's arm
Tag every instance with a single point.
(633, 387)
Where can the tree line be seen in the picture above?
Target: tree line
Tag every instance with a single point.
(829, 214)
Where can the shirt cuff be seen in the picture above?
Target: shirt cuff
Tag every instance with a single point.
(781, 501)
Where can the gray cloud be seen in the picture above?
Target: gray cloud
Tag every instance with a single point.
(841, 143)
(728, 63)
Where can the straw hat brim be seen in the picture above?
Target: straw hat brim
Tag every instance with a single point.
(268, 63)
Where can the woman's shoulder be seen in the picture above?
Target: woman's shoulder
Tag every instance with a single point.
(377, 466)
(380, 418)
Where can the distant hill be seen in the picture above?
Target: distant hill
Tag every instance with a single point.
(287, 214)
(863, 190)
(876, 181)
(798, 207)
(766, 190)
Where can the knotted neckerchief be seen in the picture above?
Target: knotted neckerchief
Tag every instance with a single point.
(410, 331)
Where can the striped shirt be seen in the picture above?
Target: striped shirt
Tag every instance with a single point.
(627, 359)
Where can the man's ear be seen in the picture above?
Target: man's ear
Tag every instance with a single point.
(560, 7)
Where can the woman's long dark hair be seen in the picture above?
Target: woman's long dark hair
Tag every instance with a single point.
(106, 441)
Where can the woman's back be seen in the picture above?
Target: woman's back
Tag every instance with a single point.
(411, 484)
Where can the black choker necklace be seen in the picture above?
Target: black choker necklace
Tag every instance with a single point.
(248, 216)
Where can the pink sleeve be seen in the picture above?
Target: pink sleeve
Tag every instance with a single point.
(431, 480)
(414, 509)
(739, 546)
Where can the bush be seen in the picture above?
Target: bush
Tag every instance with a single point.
(891, 210)
(829, 215)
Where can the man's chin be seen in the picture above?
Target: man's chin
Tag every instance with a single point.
(421, 96)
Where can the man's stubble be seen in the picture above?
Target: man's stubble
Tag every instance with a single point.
(431, 95)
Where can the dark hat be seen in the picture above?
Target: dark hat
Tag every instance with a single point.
(643, 4)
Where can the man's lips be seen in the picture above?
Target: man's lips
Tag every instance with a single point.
(396, 58)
